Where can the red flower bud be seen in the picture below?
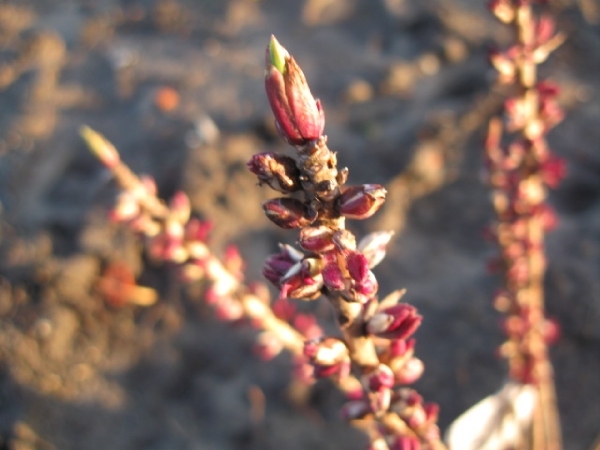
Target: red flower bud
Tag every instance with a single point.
(361, 202)
(329, 357)
(381, 378)
(298, 116)
(317, 239)
(277, 171)
(287, 213)
(333, 277)
(358, 266)
(397, 322)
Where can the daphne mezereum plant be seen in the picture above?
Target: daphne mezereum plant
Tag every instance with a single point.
(521, 168)
(375, 344)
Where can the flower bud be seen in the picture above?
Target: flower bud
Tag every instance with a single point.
(361, 202)
(374, 246)
(276, 266)
(396, 322)
(316, 239)
(277, 171)
(409, 371)
(333, 277)
(298, 116)
(405, 443)
(504, 10)
(380, 378)
(329, 357)
(358, 266)
(287, 213)
(180, 207)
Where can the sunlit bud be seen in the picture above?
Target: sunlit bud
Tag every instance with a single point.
(405, 443)
(358, 266)
(378, 443)
(374, 246)
(316, 239)
(329, 357)
(401, 347)
(196, 230)
(361, 202)
(409, 371)
(180, 207)
(302, 288)
(333, 277)
(504, 10)
(380, 400)
(100, 147)
(298, 116)
(544, 29)
(551, 331)
(367, 288)
(228, 310)
(126, 208)
(504, 64)
(380, 378)
(233, 261)
(276, 170)
(287, 213)
(356, 409)
(344, 240)
(396, 322)
(267, 346)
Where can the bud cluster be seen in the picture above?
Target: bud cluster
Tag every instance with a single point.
(376, 345)
(521, 168)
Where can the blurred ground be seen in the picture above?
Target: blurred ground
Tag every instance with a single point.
(399, 79)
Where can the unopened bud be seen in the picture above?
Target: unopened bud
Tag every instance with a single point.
(333, 277)
(361, 202)
(180, 207)
(316, 239)
(409, 371)
(396, 322)
(287, 213)
(358, 266)
(298, 116)
(381, 378)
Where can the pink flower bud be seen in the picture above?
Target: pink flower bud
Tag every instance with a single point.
(333, 277)
(400, 347)
(298, 116)
(307, 325)
(397, 322)
(358, 266)
(380, 378)
(196, 230)
(267, 346)
(409, 371)
(276, 170)
(180, 207)
(329, 357)
(405, 443)
(316, 239)
(361, 202)
(287, 213)
(504, 10)
(366, 288)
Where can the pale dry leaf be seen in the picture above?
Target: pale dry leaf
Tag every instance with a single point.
(498, 422)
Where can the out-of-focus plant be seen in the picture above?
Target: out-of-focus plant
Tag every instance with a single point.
(521, 168)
